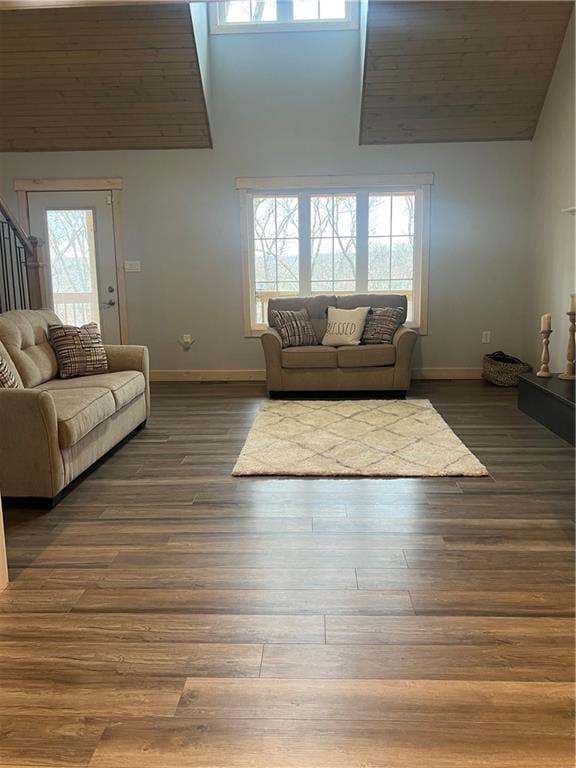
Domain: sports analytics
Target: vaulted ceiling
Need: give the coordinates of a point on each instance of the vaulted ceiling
(124, 74)
(108, 77)
(458, 71)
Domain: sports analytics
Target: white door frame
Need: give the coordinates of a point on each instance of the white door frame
(114, 186)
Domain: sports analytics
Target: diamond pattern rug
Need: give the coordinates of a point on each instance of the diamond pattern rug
(369, 438)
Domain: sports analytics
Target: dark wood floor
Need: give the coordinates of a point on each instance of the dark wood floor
(166, 614)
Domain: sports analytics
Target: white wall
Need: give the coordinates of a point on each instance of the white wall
(289, 104)
(552, 249)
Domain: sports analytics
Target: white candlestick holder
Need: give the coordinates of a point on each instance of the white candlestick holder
(544, 371)
(570, 372)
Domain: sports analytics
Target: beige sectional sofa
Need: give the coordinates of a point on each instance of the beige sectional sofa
(52, 429)
(367, 367)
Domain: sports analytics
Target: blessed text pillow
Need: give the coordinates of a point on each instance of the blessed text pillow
(345, 326)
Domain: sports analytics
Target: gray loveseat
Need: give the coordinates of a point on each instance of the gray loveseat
(367, 367)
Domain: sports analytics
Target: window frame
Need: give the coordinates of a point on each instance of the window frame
(285, 21)
(362, 186)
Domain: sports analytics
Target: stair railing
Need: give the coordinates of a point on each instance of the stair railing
(22, 279)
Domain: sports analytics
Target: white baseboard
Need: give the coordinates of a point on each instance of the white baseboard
(429, 374)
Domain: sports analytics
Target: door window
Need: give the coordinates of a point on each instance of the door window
(73, 265)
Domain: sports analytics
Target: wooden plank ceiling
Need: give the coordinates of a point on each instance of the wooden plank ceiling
(458, 71)
(95, 78)
(10, 5)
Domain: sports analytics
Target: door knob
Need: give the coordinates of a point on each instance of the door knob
(110, 303)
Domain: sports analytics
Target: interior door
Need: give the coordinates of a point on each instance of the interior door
(78, 232)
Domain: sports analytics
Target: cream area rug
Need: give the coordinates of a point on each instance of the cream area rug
(366, 438)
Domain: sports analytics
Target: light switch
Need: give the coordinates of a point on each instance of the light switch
(132, 266)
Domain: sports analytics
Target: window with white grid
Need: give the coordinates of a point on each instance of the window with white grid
(301, 241)
(282, 15)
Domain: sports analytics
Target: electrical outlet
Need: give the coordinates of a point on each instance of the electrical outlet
(486, 335)
(186, 341)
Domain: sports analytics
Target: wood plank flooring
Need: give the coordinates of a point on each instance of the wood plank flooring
(166, 614)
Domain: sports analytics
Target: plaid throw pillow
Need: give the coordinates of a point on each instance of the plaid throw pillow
(7, 378)
(80, 351)
(382, 324)
(294, 327)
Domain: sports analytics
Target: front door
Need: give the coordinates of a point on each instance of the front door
(78, 232)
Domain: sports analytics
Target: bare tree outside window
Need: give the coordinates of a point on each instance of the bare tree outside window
(333, 243)
(287, 15)
(276, 249)
(73, 265)
(248, 11)
(330, 243)
(391, 242)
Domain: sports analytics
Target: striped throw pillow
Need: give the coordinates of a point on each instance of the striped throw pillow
(7, 378)
(80, 351)
(381, 325)
(294, 327)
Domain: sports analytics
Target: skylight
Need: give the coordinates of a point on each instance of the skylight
(318, 10)
(247, 11)
(282, 15)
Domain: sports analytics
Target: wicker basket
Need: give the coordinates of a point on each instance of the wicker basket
(502, 369)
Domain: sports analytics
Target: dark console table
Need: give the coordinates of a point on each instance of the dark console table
(549, 401)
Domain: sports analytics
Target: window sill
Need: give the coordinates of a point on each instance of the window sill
(254, 333)
(274, 27)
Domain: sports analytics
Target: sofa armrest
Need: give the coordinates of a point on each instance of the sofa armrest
(404, 341)
(130, 357)
(272, 346)
(30, 459)
(127, 357)
(404, 336)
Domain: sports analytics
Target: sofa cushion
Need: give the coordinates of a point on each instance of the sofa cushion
(79, 350)
(7, 378)
(24, 334)
(9, 365)
(345, 326)
(80, 410)
(309, 357)
(381, 325)
(294, 327)
(125, 386)
(317, 307)
(372, 356)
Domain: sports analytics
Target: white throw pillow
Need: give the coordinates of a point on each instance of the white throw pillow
(345, 326)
